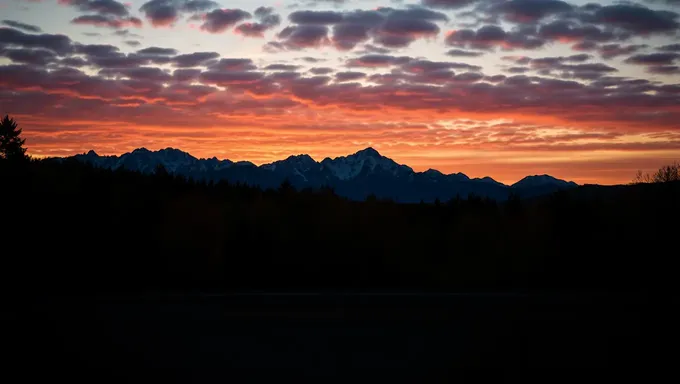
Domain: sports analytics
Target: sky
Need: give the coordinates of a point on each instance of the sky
(583, 91)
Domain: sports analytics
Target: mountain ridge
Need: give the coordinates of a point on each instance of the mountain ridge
(356, 176)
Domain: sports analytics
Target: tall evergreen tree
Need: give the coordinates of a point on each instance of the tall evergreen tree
(11, 143)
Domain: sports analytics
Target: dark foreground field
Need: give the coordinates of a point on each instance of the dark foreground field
(71, 228)
(122, 277)
(335, 338)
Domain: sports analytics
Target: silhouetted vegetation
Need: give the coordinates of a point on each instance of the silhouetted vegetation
(11, 143)
(69, 226)
(665, 174)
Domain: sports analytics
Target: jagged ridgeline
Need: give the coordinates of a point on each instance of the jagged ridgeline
(355, 176)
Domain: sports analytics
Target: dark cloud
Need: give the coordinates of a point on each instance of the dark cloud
(661, 58)
(568, 31)
(369, 61)
(551, 66)
(281, 67)
(463, 53)
(389, 27)
(219, 20)
(157, 51)
(193, 59)
(97, 50)
(23, 26)
(267, 19)
(229, 78)
(517, 70)
(133, 43)
(140, 73)
(447, 4)
(126, 33)
(316, 17)
(39, 57)
(108, 21)
(102, 7)
(609, 51)
(349, 76)
(73, 62)
(370, 48)
(637, 19)
(304, 36)
(166, 12)
(670, 48)
(664, 69)
(495, 78)
(321, 70)
(529, 11)
(232, 64)
(584, 46)
(103, 13)
(492, 36)
(311, 59)
(520, 60)
(186, 74)
(423, 66)
(347, 36)
(59, 44)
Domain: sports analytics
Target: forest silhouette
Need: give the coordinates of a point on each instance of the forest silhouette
(71, 227)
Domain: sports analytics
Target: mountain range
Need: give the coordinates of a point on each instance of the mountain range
(355, 176)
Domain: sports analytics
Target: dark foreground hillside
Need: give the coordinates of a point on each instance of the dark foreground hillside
(69, 227)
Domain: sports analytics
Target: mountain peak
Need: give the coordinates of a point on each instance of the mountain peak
(538, 180)
(369, 151)
(141, 150)
(91, 153)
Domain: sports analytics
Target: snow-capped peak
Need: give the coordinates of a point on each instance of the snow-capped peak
(366, 160)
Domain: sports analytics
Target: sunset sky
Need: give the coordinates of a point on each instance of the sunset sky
(582, 91)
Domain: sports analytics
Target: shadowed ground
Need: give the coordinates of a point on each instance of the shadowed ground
(331, 338)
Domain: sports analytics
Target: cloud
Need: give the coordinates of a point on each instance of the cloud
(491, 36)
(609, 51)
(304, 36)
(670, 48)
(163, 13)
(219, 20)
(107, 21)
(661, 58)
(567, 31)
(60, 44)
(233, 64)
(349, 76)
(315, 17)
(153, 74)
(267, 19)
(186, 74)
(463, 53)
(530, 11)
(195, 59)
(447, 4)
(102, 7)
(281, 67)
(637, 19)
(157, 51)
(37, 57)
(23, 26)
(321, 70)
(103, 13)
(388, 27)
(370, 61)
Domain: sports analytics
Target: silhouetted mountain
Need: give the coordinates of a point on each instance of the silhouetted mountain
(355, 176)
